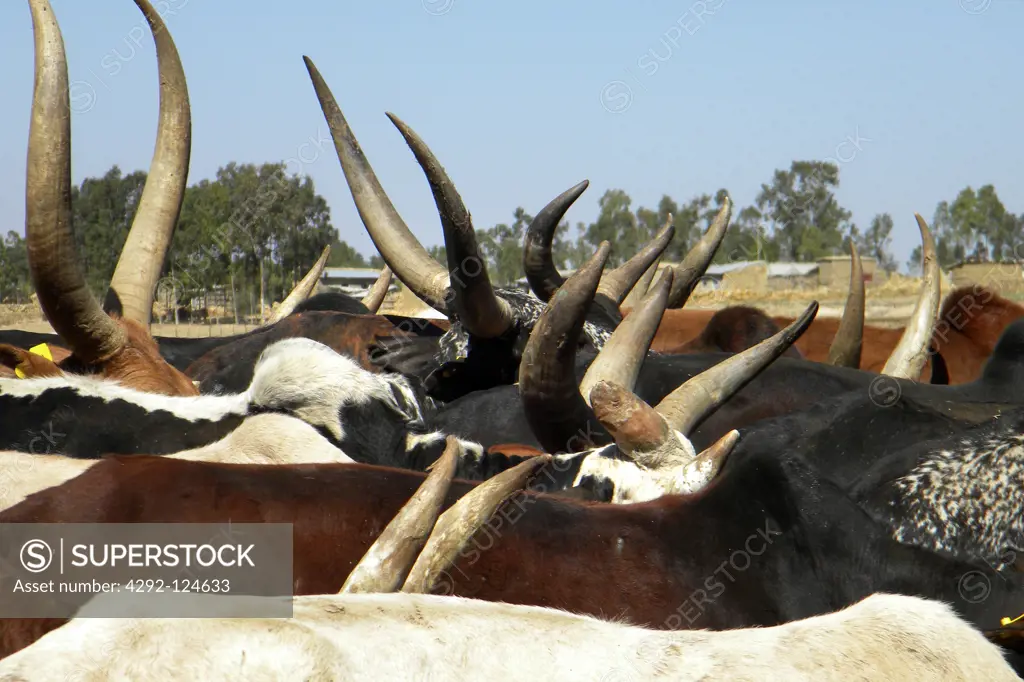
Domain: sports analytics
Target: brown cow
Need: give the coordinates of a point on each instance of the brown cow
(970, 323)
(112, 346)
(798, 545)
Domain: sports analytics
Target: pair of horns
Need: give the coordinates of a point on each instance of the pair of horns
(462, 291)
(65, 298)
(420, 543)
(616, 285)
(372, 300)
(558, 410)
(544, 278)
(911, 353)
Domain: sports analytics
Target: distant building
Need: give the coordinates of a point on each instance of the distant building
(759, 275)
(352, 281)
(834, 271)
(998, 276)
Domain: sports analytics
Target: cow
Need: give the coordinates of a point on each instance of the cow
(344, 637)
(370, 417)
(229, 367)
(888, 635)
(354, 330)
(770, 541)
(547, 408)
(969, 324)
(489, 327)
(663, 461)
(116, 345)
(260, 439)
(113, 340)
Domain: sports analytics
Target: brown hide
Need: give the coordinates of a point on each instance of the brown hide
(970, 323)
(138, 364)
(337, 511)
(345, 333)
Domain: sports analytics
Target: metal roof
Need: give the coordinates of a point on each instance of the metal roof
(791, 269)
(350, 273)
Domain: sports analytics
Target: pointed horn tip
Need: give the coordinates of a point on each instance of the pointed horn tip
(809, 314)
(452, 448)
(664, 282)
(721, 448)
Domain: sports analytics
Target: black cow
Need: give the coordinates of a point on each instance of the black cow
(489, 327)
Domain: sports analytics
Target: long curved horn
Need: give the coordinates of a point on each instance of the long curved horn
(400, 249)
(618, 283)
(538, 263)
(624, 352)
(911, 353)
(389, 559)
(302, 290)
(689, 404)
(145, 249)
(846, 347)
(377, 293)
(548, 390)
(696, 262)
(63, 294)
(472, 296)
(463, 519)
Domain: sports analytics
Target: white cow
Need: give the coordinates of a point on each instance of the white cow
(401, 636)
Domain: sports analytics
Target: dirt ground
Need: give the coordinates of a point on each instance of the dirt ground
(888, 305)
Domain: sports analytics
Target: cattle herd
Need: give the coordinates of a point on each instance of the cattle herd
(589, 482)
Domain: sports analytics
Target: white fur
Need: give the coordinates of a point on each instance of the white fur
(260, 439)
(311, 381)
(299, 377)
(191, 408)
(677, 471)
(375, 637)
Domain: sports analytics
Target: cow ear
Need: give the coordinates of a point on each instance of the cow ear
(25, 364)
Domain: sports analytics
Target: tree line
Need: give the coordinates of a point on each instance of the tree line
(254, 231)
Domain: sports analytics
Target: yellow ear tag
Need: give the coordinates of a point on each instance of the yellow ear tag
(1007, 621)
(42, 350)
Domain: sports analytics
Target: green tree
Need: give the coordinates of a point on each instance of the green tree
(253, 228)
(975, 226)
(875, 242)
(344, 256)
(102, 210)
(747, 239)
(616, 224)
(805, 220)
(15, 282)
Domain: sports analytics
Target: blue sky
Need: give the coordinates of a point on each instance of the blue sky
(522, 100)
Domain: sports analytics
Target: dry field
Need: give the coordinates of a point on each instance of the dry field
(888, 305)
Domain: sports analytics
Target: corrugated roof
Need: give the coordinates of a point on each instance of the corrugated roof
(722, 268)
(791, 269)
